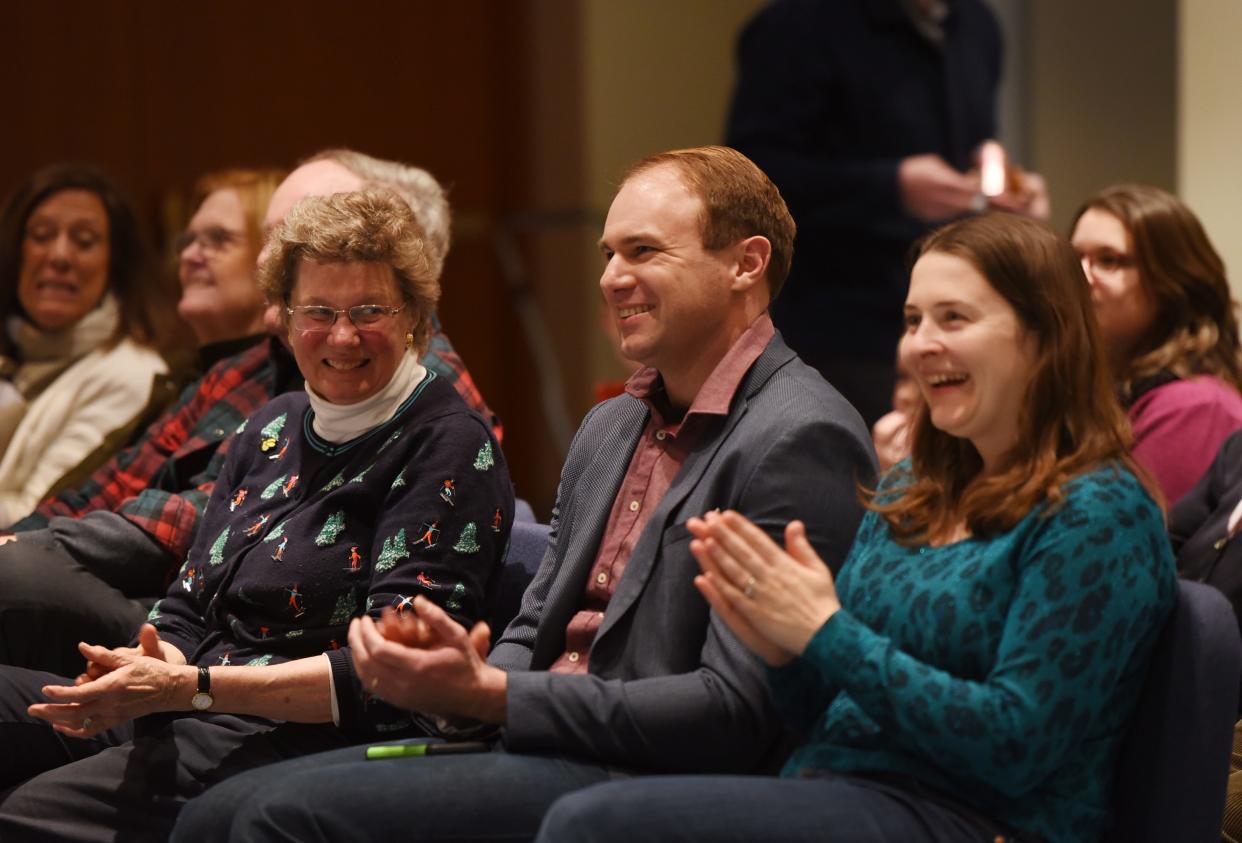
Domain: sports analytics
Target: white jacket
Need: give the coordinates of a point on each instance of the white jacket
(96, 395)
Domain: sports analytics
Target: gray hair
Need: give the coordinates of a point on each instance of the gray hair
(370, 226)
(426, 197)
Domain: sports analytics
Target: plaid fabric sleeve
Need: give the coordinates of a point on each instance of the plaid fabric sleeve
(129, 485)
(172, 517)
(444, 360)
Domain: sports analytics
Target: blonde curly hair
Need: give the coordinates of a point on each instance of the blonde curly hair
(368, 226)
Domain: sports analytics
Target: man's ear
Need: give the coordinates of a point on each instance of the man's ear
(753, 255)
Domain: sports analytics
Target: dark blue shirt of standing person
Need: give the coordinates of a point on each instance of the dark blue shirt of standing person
(830, 98)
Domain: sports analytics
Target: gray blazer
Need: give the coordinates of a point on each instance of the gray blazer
(669, 687)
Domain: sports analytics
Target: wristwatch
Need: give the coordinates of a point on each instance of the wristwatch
(202, 699)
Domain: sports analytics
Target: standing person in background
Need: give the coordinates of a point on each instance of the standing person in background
(868, 114)
(83, 330)
(1169, 324)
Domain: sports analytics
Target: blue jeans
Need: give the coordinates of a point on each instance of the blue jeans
(715, 809)
(341, 795)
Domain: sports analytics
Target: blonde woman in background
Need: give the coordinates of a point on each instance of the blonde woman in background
(220, 298)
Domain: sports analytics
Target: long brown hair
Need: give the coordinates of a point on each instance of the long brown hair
(1070, 421)
(1196, 327)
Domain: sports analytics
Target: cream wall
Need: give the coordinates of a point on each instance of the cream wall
(1101, 95)
(657, 75)
(1209, 123)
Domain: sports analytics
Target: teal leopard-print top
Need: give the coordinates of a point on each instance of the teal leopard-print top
(1000, 671)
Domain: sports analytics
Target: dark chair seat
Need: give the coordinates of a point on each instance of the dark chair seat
(527, 543)
(1174, 760)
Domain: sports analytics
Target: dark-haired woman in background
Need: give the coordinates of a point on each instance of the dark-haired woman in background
(1167, 321)
(969, 674)
(83, 320)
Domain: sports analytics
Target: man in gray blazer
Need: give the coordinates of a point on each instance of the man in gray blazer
(615, 665)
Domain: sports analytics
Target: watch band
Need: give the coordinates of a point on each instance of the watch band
(202, 699)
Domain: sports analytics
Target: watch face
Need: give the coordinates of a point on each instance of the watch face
(201, 701)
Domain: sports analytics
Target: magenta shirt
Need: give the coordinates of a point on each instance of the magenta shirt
(1178, 428)
(661, 451)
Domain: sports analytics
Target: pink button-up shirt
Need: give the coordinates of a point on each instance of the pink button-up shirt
(661, 451)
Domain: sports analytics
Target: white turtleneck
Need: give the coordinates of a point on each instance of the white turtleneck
(342, 422)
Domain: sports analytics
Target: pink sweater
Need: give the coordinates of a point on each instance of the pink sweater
(1178, 428)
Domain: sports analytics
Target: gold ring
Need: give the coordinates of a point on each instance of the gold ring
(749, 589)
(375, 684)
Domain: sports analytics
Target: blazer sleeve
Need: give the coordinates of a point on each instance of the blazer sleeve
(718, 717)
(515, 647)
(1198, 505)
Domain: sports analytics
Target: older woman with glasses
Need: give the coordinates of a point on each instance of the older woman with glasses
(1167, 321)
(375, 485)
(220, 296)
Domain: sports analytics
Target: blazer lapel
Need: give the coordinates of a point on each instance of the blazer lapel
(596, 488)
(643, 559)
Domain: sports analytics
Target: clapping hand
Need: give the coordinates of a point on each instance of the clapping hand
(119, 685)
(428, 663)
(773, 599)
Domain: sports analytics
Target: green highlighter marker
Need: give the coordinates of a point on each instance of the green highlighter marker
(417, 750)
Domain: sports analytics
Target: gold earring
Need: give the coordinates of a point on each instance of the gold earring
(409, 342)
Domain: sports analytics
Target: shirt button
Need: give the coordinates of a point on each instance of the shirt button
(634, 506)
(661, 435)
(573, 657)
(601, 578)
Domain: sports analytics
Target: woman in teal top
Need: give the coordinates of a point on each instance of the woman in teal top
(969, 675)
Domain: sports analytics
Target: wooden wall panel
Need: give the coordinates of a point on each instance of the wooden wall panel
(157, 93)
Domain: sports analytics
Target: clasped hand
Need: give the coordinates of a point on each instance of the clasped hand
(773, 599)
(119, 685)
(426, 661)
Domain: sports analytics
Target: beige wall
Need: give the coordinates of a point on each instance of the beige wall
(1102, 95)
(1209, 123)
(657, 75)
